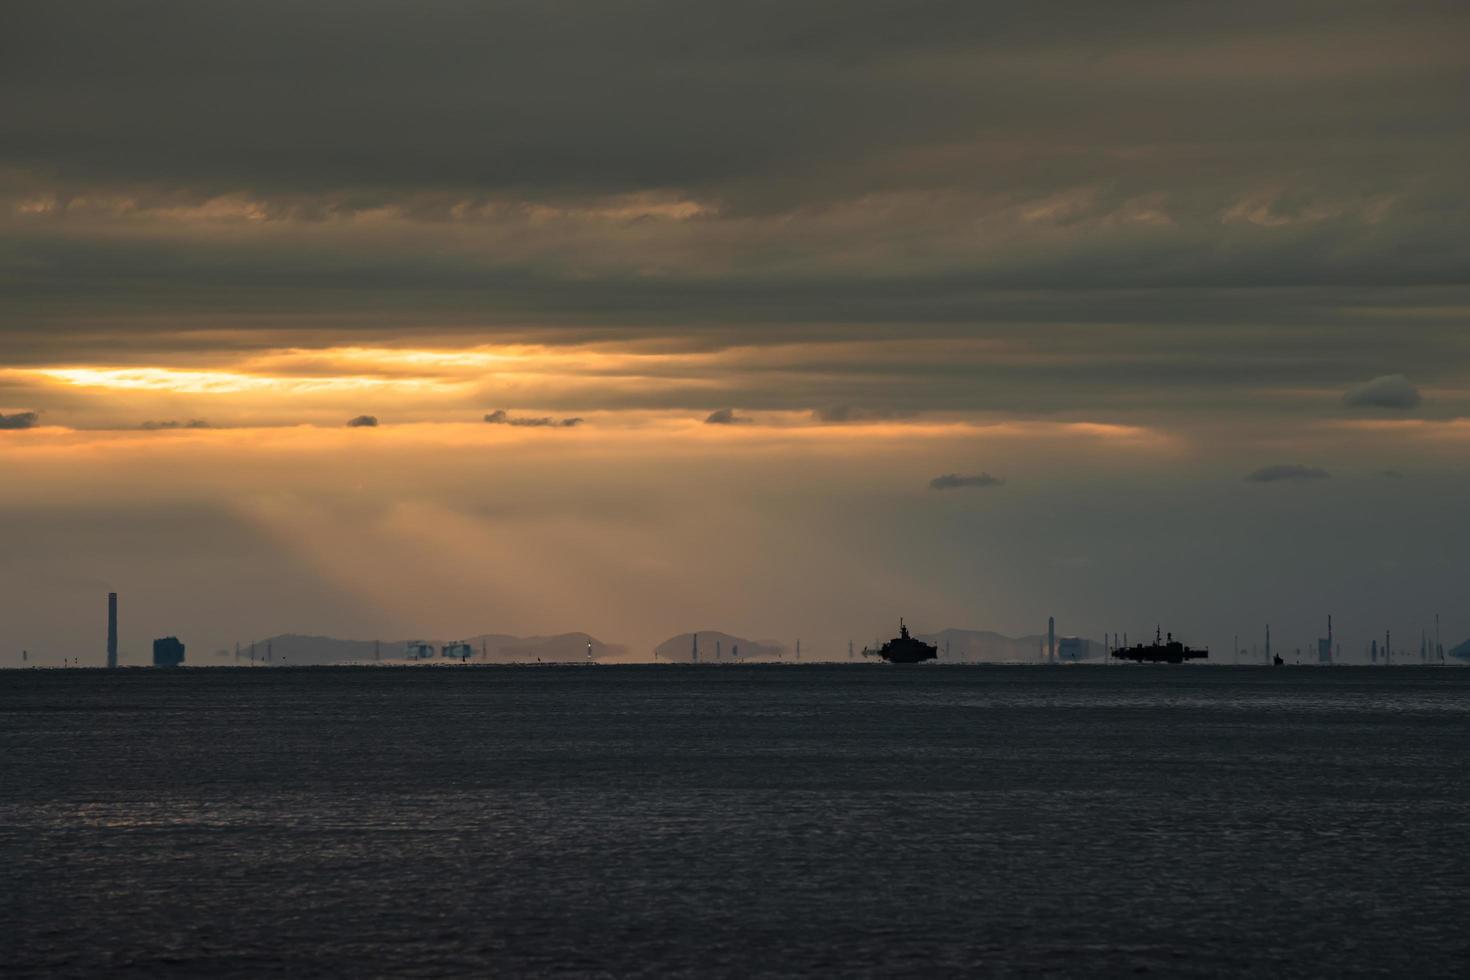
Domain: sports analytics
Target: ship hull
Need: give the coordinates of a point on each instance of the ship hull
(909, 658)
(1162, 658)
(905, 649)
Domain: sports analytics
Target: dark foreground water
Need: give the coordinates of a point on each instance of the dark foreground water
(665, 820)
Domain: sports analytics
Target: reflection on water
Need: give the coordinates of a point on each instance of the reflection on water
(734, 820)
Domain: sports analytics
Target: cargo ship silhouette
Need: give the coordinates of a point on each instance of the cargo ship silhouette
(1169, 651)
(904, 649)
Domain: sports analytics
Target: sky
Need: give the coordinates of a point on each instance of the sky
(381, 319)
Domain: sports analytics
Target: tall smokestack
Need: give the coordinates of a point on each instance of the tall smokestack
(111, 629)
(1051, 639)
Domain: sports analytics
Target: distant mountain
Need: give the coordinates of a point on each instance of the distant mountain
(291, 649)
(1461, 652)
(717, 647)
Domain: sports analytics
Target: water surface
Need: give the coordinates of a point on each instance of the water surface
(734, 820)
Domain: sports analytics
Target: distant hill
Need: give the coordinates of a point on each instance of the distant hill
(294, 649)
(1461, 652)
(715, 646)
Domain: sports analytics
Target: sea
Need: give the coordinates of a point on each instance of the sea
(735, 821)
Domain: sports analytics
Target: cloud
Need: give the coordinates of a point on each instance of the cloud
(151, 425)
(853, 219)
(953, 481)
(725, 416)
(764, 226)
(1286, 471)
(855, 413)
(499, 417)
(363, 421)
(1387, 391)
(20, 420)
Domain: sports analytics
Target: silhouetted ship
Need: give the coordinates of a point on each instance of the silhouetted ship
(904, 649)
(1169, 651)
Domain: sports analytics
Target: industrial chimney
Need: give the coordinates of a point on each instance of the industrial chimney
(111, 629)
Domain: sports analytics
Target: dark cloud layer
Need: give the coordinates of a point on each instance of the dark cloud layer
(725, 416)
(1285, 472)
(20, 420)
(500, 417)
(363, 422)
(655, 166)
(761, 104)
(954, 481)
(156, 425)
(1388, 391)
(1148, 204)
(837, 414)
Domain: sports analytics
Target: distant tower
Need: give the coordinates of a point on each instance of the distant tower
(1051, 639)
(1373, 653)
(1388, 646)
(112, 629)
(1268, 643)
(849, 649)
(798, 649)
(694, 654)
